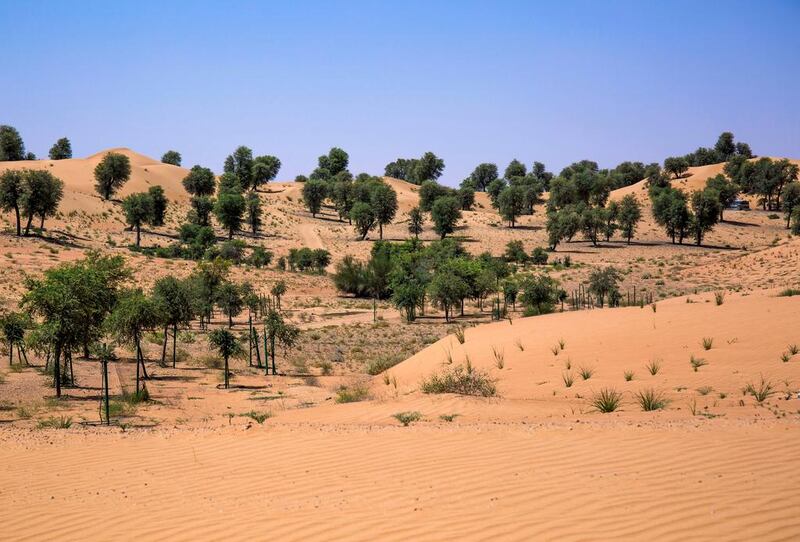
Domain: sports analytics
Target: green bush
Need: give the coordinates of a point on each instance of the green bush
(461, 380)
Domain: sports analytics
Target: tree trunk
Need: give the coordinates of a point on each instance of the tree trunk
(164, 346)
(174, 344)
(272, 353)
(41, 223)
(28, 225)
(226, 371)
(57, 369)
(380, 230)
(138, 235)
(19, 230)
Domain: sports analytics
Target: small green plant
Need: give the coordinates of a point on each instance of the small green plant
(568, 379)
(258, 417)
(708, 342)
(352, 394)
(586, 372)
(785, 357)
(722, 395)
(697, 362)
(607, 400)
(651, 399)
(141, 396)
(61, 422)
(407, 418)
(499, 357)
(325, 367)
(653, 306)
(793, 349)
(555, 350)
(719, 298)
(460, 334)
(568, 364)
(653, 366)
(693, 407)
(628, 376)
(762, 392)
(705, 390)
(562, 344)
(448, 417)
(386, 362)
(519, 344)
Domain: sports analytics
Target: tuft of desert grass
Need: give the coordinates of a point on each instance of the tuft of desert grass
(448, 417)
(568, 379)
(606, 400)
(352, 394)
(719, 298)
(586, 372)
(499, 357)
(519, 344)
(460, 334)
(696, 363)
(762, 391)
(708, 342)
(628, 376)
(258, 417)
(785, 357)
(61, 422)
(650, 399)
(462, 380)
(793, 349)
(653, 366)
(555, 350)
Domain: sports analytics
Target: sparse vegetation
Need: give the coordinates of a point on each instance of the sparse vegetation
(407, 418)
(707, 342)
(762, 391)
(586, 372)
(462, 380)
(653, 366)
(352, 394)
(696, 362)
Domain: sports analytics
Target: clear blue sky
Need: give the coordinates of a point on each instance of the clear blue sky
(472, 81)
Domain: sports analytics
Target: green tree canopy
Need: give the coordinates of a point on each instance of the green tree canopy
(111, 173)
(61, 149)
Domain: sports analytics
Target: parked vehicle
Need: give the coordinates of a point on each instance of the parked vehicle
(740, 205)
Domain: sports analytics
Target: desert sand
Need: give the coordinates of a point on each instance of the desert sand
(536, 462)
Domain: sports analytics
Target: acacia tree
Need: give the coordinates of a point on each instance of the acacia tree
(676, 166)
(138, 209)
(111, 173)
(383, 200)
(362, 218)
(13, 326)
(228, 346)
(200, 183)
(171, 157)
(705, 206)
(254, 212)
(134, 314)
(726, 189)
(12, 191)
(630, 213)
(229, 299)
(240, 164)
(278, 291)
(174, 298)
(511, 203)
(230, 204)
(604, 283)
(43, 193)
(12, 147)
(671, 211)
(791, 199)
(445, 213)
(415, 222)
(159, 204)
(314, 192)
(264, 169)
(278, 332)
(61, 150)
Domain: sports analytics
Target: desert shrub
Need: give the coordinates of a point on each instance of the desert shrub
(306, 259)
(352, 394)
(539, 256)
(382, 363)
(708, 342)
(586, 372)
(460, 380)
(651, 399)
(653, 366)
(259, 257)
(789, 292)
(515, 252)
(628, 376)
(259, 417)
(568, 379)
(448, 417)
(210, 361)
(607, 400)
(61, 422)
(719, 298)
(230, 250)
(325, 367)
(407, 418)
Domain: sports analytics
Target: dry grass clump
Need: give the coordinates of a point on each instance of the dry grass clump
(628, 376)
(653, 366)
(607, 400)
(697, 362)
(569, 380)
(407, 418)
(61, 422)
(448, 417)
(352, 394)
(382, 363)
(651, 399)
(460, 334)
(499, 357)
(708, 342)
(719, 298)
(762, 392)
(258, 417)
(462, 380)
(586, 372)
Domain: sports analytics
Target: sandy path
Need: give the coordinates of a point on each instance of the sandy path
(424, 482)
(310, 236)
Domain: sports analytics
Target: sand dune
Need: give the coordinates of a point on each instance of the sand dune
(78, 177)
